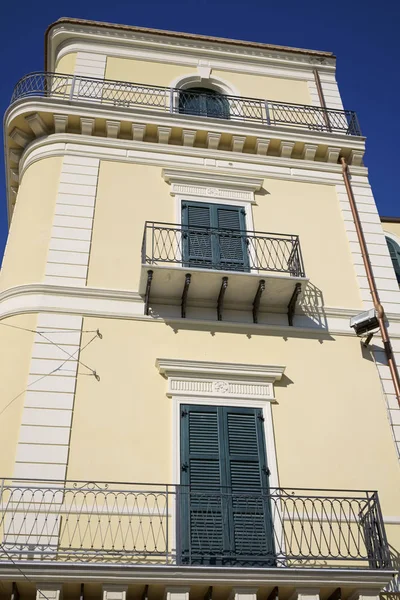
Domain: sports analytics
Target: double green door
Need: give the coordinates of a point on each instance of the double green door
(224, 505)
(214, 236)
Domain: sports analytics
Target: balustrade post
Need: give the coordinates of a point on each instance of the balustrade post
(267, 115)
(171, 100)
(71, 94)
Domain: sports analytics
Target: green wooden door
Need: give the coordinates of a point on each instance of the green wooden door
(225, 515)
(214, 236)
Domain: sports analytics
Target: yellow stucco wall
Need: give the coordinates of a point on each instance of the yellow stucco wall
(127, 196)
(163, 74)
(393, 228)
(15, 355)
(330, 420)
(66, 64)
(130, 194)
(312, 211)
(30, 231)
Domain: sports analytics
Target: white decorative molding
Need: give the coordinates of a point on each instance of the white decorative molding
(262, 145)
(92, 64)
(204, 72)
(42, 449)
(114, 592)
(20, 137)
(67, 262)
(60, 123)
(37, 124)
(172, 366)
(310, 151)
(113, 128)
(226, 187)
(213, 379)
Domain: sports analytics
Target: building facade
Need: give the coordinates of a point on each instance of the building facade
(186, 411)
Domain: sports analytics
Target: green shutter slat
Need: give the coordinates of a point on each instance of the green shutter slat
(231, 238)
(242, 434)
(203, 433)
(197, 241)
(229, 218)
(198, 215)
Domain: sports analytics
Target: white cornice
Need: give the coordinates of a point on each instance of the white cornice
(91, 109)
(170, 367)
(129, 305)
(64, 33)
(183, 157)
(244, 183)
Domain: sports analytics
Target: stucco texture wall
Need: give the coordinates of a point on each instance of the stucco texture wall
(253, 86)
(312, 211)
(30, 232)
(330, 420)
(66, 64)
(15, 356)
(127, 196)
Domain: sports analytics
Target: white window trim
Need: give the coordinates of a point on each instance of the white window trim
(392, 236)
(213, 189)
(222, 384)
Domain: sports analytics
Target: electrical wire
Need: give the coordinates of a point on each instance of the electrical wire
(70, 357)
(98, 334)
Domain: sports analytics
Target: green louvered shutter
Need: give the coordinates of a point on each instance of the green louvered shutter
(201, 504)
(225, 511)
(197, 239)
(394, 250)
(232, 248)
(247, 476)
(214, 236)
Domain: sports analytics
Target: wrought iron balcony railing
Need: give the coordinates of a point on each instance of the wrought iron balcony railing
(165, 524)
(221, 249)
(171, 100)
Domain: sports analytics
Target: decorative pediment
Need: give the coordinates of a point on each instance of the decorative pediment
(219, 380)
(225, 187)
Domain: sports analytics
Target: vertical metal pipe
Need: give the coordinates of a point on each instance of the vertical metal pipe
(371, 282)
(322, 99)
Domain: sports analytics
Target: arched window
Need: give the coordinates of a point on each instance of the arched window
(203, 102)
(394, 250)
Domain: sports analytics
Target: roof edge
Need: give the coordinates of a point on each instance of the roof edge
(177, 34)
(390, 219)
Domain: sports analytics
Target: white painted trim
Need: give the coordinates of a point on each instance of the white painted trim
(276, 63)
(391, 235)
(171, 367)
(211, 82)
(184, 157)
(125, 304)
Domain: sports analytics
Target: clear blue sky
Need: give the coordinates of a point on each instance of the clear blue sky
(364, 35)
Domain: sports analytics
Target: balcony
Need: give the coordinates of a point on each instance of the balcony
(142, 97)
(138, 524)
(204, 266)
